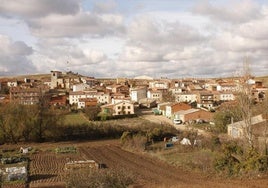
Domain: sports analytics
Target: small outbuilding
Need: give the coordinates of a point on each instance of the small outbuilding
(194, 114)
(237, 129)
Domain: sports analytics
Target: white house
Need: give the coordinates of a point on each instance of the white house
(227, 96)
(12, 83)
(237, 129)
(74, 96)
(161, 107)
(121, 108)
(102, 98)
(80, 87)
(227, 87)
(186, 97)
(176, 90)
(154, 94)
(159, 84)
(138, 93)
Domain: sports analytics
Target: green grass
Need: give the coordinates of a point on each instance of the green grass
(67, 149)
(75, 119)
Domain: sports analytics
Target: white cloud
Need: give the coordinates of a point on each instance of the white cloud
(65, 55)
(255, 29)
(105, 6)
(134, 53)
(151, 40)
(14, 57)
(188, 53)
(94, 56)
(146, 29)
(81, 24)
(232, 11)
(231, 42)
(104, 39)
(55, 18)
(38, 8)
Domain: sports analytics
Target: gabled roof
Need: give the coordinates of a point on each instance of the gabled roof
(125, 101)
(162, 106)
(183, 112)
(254, 120)
(107, 106)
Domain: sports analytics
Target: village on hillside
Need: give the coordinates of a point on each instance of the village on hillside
(181, 100)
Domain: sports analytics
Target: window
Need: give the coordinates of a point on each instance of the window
(119, 107)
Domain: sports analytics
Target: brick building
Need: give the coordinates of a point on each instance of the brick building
(27, 96)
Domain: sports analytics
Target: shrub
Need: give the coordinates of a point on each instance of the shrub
(126, 136)
(134, 142)
(229, 162)
(236, 161)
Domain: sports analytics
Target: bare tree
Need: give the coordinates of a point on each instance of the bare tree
(262, 108)
(245, 102)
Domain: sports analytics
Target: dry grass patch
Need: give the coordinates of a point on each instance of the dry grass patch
(187, 158)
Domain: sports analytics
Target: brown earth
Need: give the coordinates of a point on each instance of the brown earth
(47, 167)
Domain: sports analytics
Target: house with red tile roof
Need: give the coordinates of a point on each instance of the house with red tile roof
(172, 108)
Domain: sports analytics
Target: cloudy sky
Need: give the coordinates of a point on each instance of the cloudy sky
(128, 38)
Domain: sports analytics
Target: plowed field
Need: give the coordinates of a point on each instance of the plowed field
(47, 167)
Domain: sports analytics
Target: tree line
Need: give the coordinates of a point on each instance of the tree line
(20, 122)
(39, 123)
